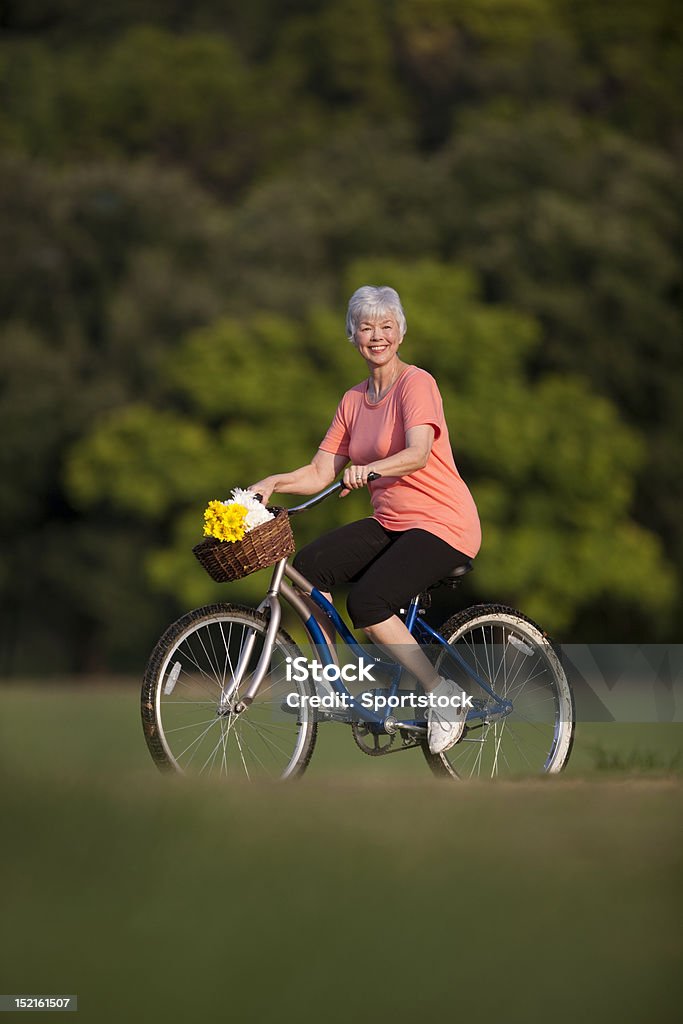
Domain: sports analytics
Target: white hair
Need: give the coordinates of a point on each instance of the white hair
(372, 303)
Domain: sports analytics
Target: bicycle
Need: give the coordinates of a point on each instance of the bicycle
(219, 695)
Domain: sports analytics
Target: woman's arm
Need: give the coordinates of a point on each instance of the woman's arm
(419, 441)
(318, 474)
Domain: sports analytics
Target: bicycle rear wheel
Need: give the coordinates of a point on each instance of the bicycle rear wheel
(519, 663)
(186, 728)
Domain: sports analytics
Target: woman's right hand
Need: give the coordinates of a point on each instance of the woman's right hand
(263, 487)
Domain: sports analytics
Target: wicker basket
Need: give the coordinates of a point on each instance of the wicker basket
(227, 561)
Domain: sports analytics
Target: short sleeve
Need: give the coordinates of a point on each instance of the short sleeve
(421, 403)
(337, 438)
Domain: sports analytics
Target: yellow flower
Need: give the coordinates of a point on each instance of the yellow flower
(224, 522)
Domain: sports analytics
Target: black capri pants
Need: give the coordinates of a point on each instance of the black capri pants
(386, 568)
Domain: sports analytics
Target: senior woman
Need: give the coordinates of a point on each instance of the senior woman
(424, 521)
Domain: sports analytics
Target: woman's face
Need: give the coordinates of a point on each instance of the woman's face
(378, 340)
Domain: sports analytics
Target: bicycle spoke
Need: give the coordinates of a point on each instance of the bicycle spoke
(192, 725)
(264, 737)
(194, 743)
(246, 770)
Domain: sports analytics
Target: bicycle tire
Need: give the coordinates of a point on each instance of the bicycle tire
(537, 737)
(186, 730)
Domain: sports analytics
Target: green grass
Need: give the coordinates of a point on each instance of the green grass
(170, 901)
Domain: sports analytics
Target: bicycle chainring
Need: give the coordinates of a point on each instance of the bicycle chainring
(373, 743)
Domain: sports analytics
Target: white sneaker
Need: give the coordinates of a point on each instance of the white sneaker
(445, 725)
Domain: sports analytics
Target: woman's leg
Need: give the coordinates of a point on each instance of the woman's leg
(445, 722)
(336, 558)
(394, 635)
(342, 555)
(414, 560)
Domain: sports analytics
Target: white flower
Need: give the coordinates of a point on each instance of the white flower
(256, 512)
(255, 517)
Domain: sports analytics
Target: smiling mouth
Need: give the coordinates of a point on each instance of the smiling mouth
(378, 348)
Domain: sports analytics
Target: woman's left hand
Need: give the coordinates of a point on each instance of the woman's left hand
(354, 478)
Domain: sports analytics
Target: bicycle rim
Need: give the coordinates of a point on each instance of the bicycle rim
(186, 727)
(519, 663)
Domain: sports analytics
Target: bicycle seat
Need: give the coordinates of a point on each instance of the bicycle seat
(452, 578)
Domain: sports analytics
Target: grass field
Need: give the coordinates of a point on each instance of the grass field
(366, 890)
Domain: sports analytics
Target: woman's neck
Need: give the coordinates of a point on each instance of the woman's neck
(382, 378)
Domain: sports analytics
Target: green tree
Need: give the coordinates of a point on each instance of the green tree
(187, 101)
(97, 282)
(581, 228)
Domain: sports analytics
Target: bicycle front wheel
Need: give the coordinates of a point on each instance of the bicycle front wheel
(518, 662)
(187, 727)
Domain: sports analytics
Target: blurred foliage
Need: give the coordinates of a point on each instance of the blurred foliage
(187, 194)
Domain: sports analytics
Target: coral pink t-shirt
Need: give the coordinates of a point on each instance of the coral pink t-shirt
(434, 498)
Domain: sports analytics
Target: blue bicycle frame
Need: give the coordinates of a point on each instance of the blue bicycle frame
(422, 632)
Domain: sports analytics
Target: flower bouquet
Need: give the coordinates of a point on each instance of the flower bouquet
(242, 536)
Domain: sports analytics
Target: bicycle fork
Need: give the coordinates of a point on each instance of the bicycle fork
(271, 604)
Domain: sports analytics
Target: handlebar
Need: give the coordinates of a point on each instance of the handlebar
(317, 498)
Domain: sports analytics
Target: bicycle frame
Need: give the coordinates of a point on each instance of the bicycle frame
(418, 628)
